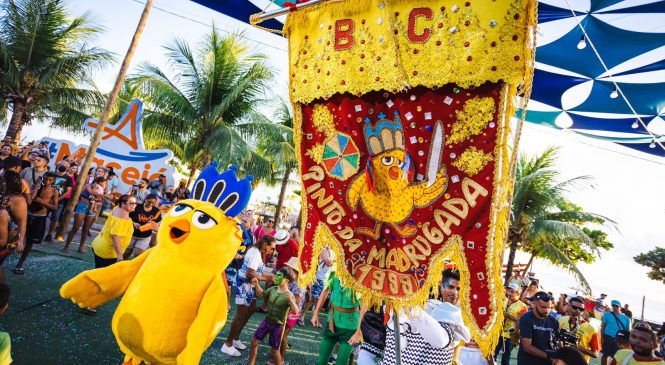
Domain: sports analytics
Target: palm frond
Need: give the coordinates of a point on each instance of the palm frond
(551, 253)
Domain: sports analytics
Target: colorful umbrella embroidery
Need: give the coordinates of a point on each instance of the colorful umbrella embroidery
(341, 157)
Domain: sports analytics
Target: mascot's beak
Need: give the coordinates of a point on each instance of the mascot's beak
(179, 230)
(393, 172)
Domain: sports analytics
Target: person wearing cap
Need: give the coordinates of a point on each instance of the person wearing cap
(34, 174)
(588, 338)
(612, 322)
(515, 309)
(537, 329)
(643, 345)
(600, 306)
(287, 248)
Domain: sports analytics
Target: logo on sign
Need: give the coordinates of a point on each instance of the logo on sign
(122, 148)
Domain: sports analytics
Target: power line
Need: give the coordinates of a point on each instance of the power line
(654, 139)
(558, 133)
(207, 25)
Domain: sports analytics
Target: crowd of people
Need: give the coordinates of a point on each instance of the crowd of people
(263, 278)
(34, 198)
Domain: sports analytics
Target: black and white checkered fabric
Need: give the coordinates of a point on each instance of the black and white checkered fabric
(417, 350)
(372, 349)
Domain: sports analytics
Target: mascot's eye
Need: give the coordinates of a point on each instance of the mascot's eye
(387, 160)
(180, 209)
(203, 221)
(400, 163)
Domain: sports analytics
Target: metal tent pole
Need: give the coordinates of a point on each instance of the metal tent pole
(398, 349)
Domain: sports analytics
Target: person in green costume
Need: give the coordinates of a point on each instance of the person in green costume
(279, 300)
(343, 320)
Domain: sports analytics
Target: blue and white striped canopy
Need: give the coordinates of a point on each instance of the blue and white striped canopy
(572, 89)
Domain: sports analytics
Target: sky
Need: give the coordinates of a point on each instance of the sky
(628, 185)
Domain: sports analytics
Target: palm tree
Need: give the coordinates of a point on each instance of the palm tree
(278, 147)
(46, 63)
(542, 219)
(202, 112)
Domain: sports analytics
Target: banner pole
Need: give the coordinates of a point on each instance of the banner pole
(258, 18)
(398, 348)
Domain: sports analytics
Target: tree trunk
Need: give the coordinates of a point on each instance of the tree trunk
(282, 193)
(528, 266)
(205, 161)
(110, 103)
(16, 124)
(511, 256)
(192, 171)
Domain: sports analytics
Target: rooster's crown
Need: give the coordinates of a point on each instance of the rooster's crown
(387, 135)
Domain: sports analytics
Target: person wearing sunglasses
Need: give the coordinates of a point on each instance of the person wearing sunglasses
(612, 322)
(588, 338)
(116, 234)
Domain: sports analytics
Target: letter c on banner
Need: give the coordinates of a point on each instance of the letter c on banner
(413, 17)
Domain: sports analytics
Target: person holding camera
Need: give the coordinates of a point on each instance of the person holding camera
(588, 339)
(537, 332)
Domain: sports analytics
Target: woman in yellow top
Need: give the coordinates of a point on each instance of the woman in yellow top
(114, 238)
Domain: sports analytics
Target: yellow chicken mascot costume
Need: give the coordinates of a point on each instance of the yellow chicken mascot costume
(174, 296)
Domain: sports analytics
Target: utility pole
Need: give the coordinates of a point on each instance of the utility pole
(110, 103)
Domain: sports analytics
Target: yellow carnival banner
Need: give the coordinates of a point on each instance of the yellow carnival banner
(402, 115)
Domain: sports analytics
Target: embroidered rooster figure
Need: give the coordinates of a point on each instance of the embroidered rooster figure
(384, 188)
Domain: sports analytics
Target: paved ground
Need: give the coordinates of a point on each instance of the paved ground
(47, 329)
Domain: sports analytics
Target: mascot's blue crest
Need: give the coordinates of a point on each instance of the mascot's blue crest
(223, 190)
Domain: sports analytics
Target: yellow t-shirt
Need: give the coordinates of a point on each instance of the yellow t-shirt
(587, 334)
(103, 244)
(5, 349)
(516, 309)
(621, 355)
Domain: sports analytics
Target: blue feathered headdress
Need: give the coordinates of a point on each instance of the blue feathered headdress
(223, 190)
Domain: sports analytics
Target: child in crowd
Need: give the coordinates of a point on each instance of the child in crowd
(279, 300)
(299, 294)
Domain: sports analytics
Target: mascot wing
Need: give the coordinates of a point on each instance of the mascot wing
(92, 288)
